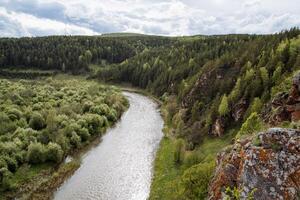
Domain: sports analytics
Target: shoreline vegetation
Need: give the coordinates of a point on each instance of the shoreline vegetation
(35, 177)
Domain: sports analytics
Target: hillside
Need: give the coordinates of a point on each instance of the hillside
(216, 90)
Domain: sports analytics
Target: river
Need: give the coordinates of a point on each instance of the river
(121, 166)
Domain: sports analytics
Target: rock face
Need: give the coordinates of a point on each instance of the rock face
(218, 127)
(268, 164)
(239, 110)
(287, 106)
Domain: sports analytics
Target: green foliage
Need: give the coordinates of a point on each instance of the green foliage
(14, 114)
(284, 86)
(6, 125)
(236, 92)
(223, 107)
(198, 106)
(235, 194)
(179, 151)
(65, 53)
(265, 76)
(251, 125)
(54, 152)
(75, 140)
(102, 109)
(43, 121)
(37, 121)
(195, 181)
(12, 164)
(277, 73)
(256, 107)
(84, 134)
(36, 153)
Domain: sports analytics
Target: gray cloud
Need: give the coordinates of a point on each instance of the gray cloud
(43, 9)
(162, 17)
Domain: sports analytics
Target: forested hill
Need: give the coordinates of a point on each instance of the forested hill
(72, 53)
(213, 83)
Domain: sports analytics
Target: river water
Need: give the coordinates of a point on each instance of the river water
(120, 167)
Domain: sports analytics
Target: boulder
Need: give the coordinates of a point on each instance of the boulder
(267, 165)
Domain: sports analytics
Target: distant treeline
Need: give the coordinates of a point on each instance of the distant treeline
(71, 53)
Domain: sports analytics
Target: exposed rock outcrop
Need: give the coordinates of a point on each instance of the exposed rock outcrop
(239, 110)
(218, 127)
(268, 163)
(287, 106)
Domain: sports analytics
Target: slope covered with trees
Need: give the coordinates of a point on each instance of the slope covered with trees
(71, 53)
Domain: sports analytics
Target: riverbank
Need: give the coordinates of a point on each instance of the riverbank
(172, 179)
(47, 178)
(41, 181)
(129, 88)
(121, 166)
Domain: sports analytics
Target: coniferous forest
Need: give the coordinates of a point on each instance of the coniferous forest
(215, 91)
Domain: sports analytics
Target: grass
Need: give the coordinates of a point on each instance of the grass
(27, 172)
(166, 173)
(38, 181)
(26, 177)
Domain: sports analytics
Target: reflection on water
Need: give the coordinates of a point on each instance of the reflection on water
(120, 167)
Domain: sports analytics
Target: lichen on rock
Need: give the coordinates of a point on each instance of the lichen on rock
(268, 163)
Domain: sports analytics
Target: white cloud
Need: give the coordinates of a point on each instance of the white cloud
(163, 17)
(21, 24)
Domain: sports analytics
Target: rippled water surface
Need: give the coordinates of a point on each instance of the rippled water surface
(120, 167)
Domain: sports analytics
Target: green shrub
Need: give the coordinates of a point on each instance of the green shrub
(20, 156)
(192, 158)
(3, 163)
(94, 123)
(102, 109)
(223, 107)
(8, 148)
(251, 125)
(195, 180)
(6, 125)
(235, 194)
(112, 115)
(54, 152)
(4, 179)
(84, 134)
(36, 153)
(75, 140)
(63, 142)
(87, 106)
(36, 121)
(22, 123)
(179, 151)
(16, 99)
(14, 114)
(12, 164)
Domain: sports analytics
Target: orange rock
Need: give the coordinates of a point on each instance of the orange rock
(296, 116)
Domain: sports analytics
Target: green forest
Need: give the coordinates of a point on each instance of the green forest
(215, 90)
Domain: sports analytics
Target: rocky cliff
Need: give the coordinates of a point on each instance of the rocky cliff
(286, 106)
(267, 164)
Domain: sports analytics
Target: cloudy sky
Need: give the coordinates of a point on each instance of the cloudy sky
(162, 17)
